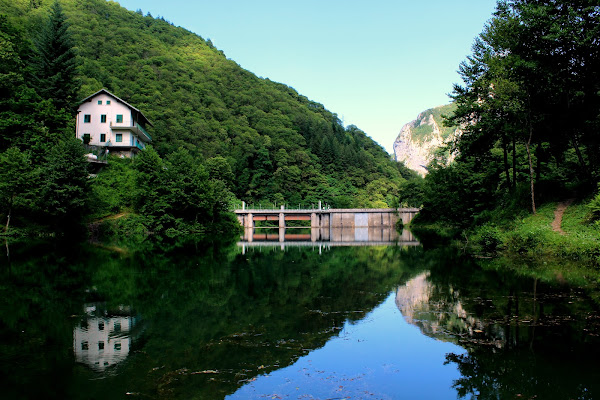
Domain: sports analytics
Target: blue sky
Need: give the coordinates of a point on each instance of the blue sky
(375, 63)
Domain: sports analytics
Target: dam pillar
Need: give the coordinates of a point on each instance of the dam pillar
(281, 218)
(281, 234)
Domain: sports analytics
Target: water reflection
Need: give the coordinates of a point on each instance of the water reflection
(103, 338)
(442, 318)
(325, 237)
(216, 321)
(524, 338)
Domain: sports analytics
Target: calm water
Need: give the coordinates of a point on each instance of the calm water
(287, 320)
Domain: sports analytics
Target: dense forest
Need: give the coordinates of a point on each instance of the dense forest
(529, 109)
(245, 137)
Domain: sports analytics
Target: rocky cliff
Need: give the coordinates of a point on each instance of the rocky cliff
(419, 139)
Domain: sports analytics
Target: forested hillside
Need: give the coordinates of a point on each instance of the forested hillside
(261, 139)
(280, 145)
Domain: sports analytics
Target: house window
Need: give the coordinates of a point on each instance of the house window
(119, 118)
(108, 102)
(103, 137)
(100, 326)
(103, 118)
(87, 138)
(118, 346)
(85, 345)
(119, 137)
(100, 102)
(100, 345)
(87, 118)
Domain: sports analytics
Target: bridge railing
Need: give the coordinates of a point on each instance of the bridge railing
(275, 206)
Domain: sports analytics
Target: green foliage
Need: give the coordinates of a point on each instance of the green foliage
(220, 133)
(55, 63)
(532, 238)
(529, 117)
(279, 145)
(489, 237)
(594, 207)
(438, 114)
(65, 183)
(412, 193)
(420, 132)
(113, 190)
(16, 177)
(176, 195)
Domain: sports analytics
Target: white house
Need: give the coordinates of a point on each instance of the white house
(105, 120)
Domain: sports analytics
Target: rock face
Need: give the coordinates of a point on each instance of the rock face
(419, 139)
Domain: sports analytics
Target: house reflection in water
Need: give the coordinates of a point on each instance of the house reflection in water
(103, 338)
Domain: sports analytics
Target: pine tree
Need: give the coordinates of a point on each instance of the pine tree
(55, 62)
(17, 100)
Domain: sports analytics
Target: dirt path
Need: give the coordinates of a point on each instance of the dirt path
(558, 215)
(111, 217)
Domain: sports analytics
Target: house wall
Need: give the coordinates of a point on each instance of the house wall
(95, 127)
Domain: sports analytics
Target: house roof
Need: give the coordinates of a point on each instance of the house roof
(135, 110)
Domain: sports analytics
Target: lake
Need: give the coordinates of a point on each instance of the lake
(281, 316)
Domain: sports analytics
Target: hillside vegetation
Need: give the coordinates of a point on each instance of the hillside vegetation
(421, 132)
(529, 111)
(264, 141)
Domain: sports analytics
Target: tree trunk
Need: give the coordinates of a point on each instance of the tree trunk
(506, 172)
(579, 155)
(9, 214)
(528, 146)
(538, 158)
(514, 162)
(8, 220)
(531, 171)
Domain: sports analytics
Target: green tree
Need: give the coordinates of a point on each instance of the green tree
(55, 68)
(16, 181)
(65, 187)
(528, 104)
(17, 101)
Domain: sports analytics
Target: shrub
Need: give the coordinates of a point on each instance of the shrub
(594, 207)
(490, 239)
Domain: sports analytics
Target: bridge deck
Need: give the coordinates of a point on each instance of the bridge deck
(326, 211)
(331, 217)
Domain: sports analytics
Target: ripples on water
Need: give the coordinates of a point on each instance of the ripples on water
(298, 320)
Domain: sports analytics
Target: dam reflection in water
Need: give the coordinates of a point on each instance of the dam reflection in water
(326, 237)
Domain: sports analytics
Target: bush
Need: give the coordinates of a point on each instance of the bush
(527, 239)
(490, 239)
(594, 207)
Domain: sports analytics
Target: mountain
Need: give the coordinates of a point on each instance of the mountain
(280, 146)
(418, 140)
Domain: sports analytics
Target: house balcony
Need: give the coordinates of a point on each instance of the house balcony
(135, 128)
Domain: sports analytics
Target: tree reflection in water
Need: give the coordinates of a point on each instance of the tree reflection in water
(524, 338)
(214, 318)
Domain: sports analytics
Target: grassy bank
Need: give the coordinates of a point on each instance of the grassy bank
(528, 243)
(532, 236)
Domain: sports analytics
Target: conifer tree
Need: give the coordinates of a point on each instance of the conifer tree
(17, 100)
(55, 62)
